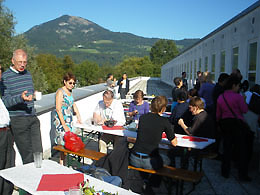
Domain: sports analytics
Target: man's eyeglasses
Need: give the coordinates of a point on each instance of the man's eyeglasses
(21, 62)
(72, 83)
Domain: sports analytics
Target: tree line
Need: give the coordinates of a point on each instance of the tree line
(47, 70)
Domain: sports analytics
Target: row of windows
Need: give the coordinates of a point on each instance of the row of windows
(192, 67)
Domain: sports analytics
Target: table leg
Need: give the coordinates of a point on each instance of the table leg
(185, 158)
(62, 159)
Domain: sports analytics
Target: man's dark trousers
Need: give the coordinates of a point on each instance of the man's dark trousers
(7, 159)
(27, 136)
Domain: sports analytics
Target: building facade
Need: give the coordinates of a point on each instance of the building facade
(235, 44)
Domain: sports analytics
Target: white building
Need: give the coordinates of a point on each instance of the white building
(235, 44)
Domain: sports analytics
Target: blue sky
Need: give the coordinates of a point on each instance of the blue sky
(169, 19)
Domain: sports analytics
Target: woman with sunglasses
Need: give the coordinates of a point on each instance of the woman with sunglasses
(65, 106)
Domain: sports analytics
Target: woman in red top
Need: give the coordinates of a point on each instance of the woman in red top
(230, 109)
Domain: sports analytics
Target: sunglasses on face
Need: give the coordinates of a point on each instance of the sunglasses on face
(72, 83)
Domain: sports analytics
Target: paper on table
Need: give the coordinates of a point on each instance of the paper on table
(113, 128)
(59, 182)
(195, 139)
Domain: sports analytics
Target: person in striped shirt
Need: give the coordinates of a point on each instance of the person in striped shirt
(17, 95)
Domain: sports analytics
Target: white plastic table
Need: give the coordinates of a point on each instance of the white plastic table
(27, 177)
(180, 140)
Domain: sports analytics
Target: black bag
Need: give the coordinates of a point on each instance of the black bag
(254, 104)
(245, 129)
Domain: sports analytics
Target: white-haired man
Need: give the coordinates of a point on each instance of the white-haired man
(107, 109)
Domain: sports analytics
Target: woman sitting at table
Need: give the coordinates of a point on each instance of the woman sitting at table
(138, 107)
(145, 153)
(202, 124)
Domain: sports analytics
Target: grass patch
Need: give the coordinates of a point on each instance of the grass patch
(84, 50)
(112, 52)
(145, 47)
(103, 42)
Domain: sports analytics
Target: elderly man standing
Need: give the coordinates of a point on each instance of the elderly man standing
(107, 109)
(17, 95)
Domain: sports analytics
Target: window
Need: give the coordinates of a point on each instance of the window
(213, 65)
(187, 71)
(200, 64)
(252, 62)
(195, 69)
(206, 63)
(235, 58)
(222, 61)
(190, 69)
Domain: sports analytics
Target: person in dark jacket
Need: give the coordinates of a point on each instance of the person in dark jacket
(145, 153)
(184, 80)
(178, 111)
(202, 125)
(123, 84)
(176, 90)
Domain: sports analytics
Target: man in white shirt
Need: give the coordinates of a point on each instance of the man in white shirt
(7, 153)
(109, 109)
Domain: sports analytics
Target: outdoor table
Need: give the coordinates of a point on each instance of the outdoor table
(27, 177)
(187, 143)
(182, 140)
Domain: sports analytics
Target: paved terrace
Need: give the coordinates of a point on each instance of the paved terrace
(212, 182)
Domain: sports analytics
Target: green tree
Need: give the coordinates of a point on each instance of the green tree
(135, 66)
(68, 64)
(6, 34)
(51, 67)
(87, 73)
(104, 71)
(9, 43)
(162, 52)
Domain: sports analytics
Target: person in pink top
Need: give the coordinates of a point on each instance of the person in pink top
(230, 109)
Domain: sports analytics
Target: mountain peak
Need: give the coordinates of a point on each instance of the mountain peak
(73, 20)
(83, 39)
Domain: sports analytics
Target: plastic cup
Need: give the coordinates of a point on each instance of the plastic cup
(38, 95)
(37, 156)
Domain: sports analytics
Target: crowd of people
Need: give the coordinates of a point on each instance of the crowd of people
(224, 111)
(220, 111)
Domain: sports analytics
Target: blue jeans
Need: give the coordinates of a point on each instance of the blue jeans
(114, 180)
(150, 162)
